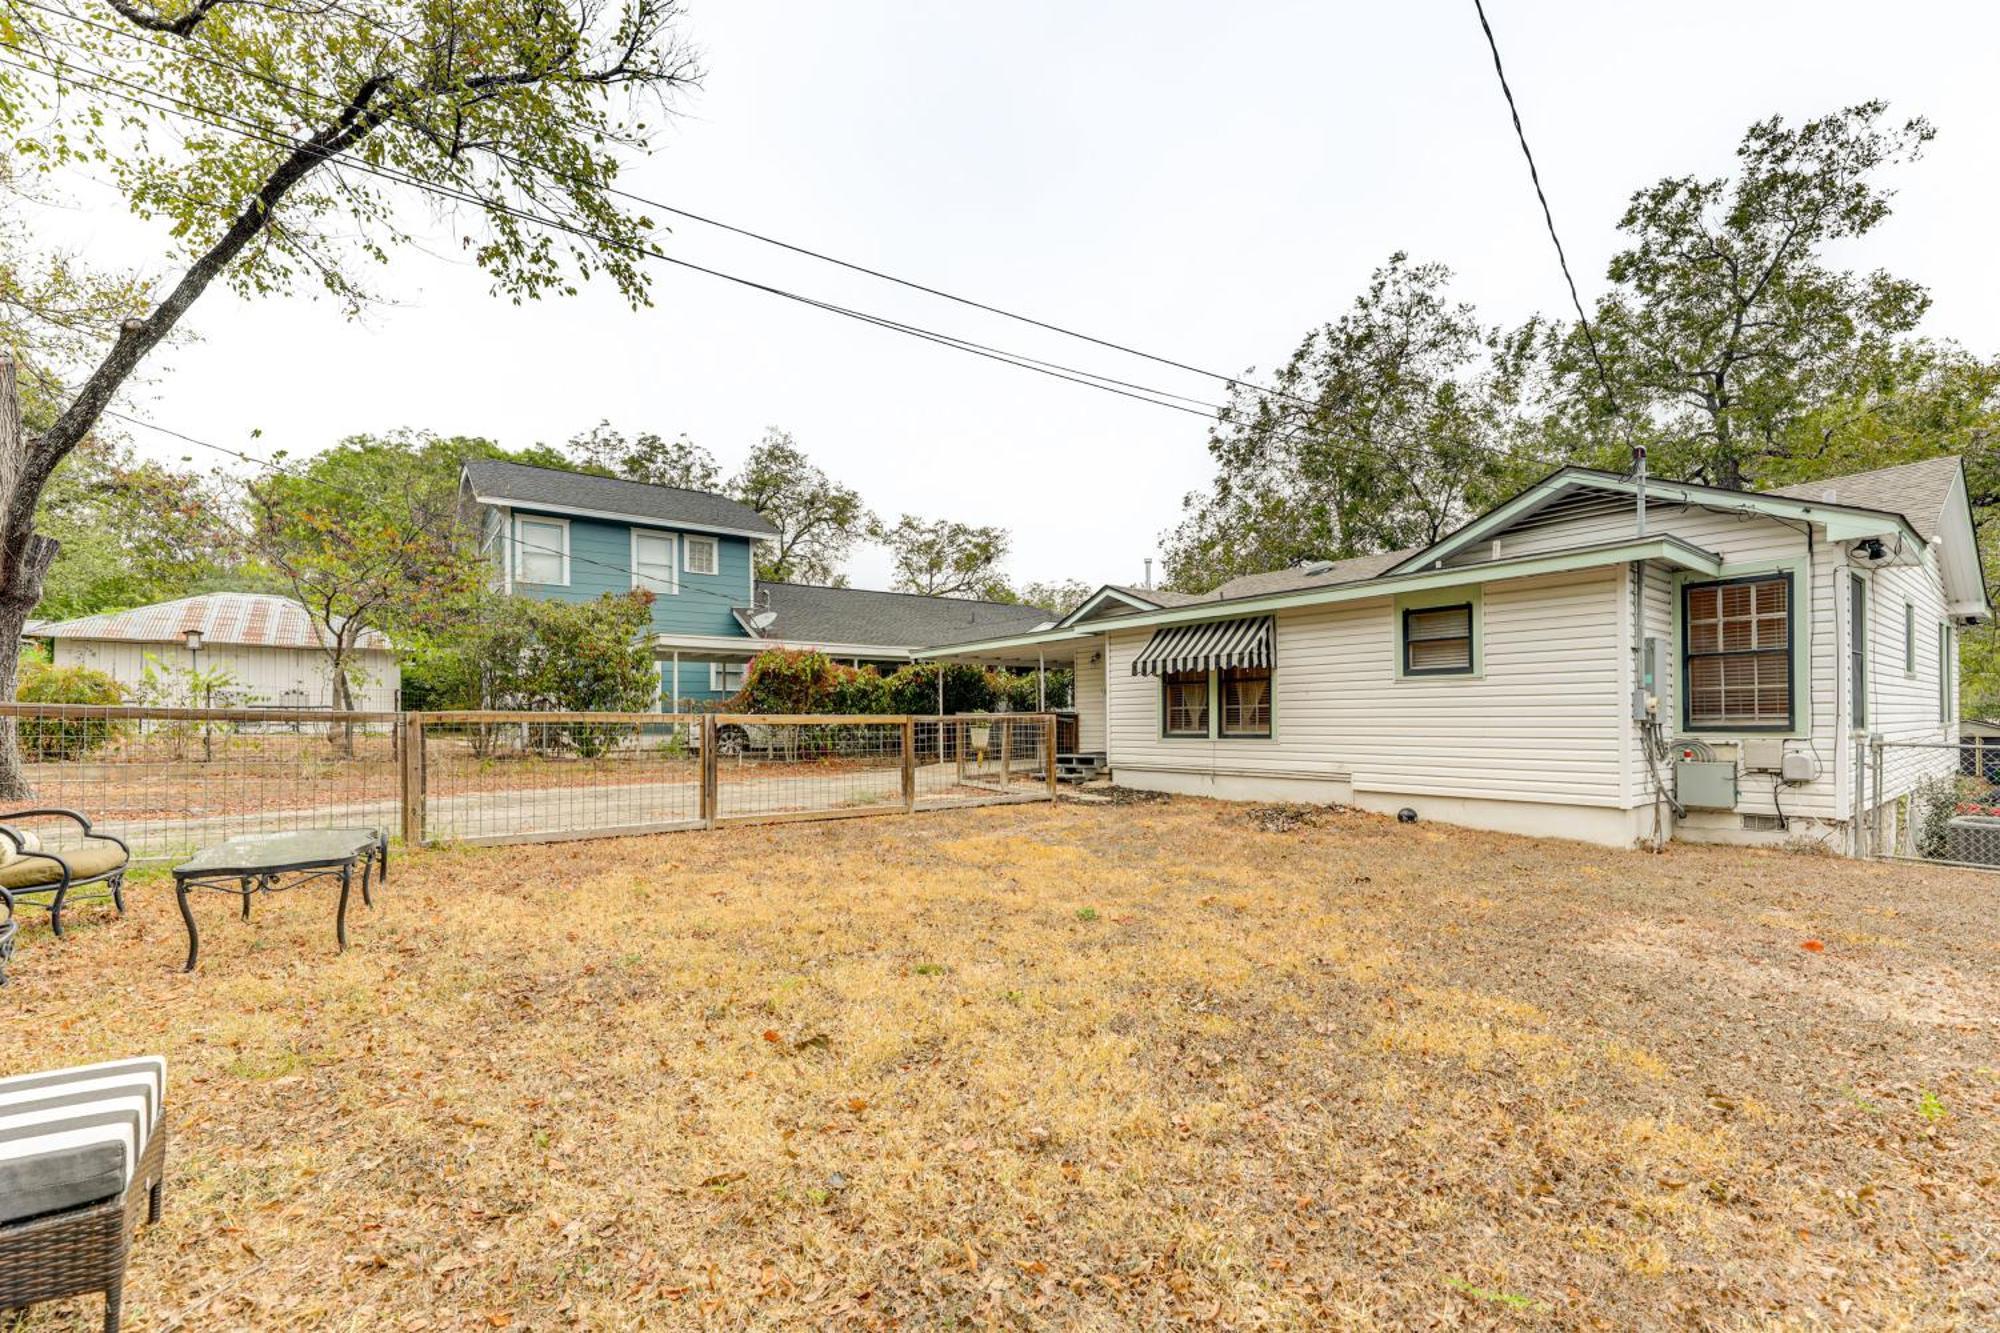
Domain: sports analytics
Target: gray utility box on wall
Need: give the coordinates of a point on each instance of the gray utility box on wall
(1705, 784)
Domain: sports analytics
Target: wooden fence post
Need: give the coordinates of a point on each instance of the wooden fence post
(909, 764)
(1006, 749)
(710, 805)
(960, 734)
(411, 783)
(1049, 751)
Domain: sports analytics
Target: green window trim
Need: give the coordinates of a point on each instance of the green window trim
(1470, 600)
(1688, 656)
(1857, 651)
(1213, 703)
(1944, 673)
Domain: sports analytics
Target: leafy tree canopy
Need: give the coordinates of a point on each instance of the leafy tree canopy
(819, 520)
(943, 558)
(647, 457)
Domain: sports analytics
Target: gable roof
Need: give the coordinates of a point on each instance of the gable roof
(250, 618)
(808, 613)
(1842, 519)
(1918, 491)
(1316, 574)
(560, 491)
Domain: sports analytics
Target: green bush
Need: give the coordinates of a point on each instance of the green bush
(46, 740)
(784, 680)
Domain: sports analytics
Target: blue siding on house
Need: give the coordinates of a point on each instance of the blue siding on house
(601, 562)
(694, 684)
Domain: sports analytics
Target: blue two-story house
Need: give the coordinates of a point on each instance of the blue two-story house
(575, 536)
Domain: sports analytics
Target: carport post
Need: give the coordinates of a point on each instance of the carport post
(1041, 681)
(677, 683)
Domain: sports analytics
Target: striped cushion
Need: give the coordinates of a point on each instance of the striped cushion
(74, 1136)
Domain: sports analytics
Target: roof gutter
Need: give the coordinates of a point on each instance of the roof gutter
(1668, 550)
(613, 516)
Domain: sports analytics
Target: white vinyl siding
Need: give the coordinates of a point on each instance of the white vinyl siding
(1541, 723)
(1089, 695)
(541, 551)
(653, 562)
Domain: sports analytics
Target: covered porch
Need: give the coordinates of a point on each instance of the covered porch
(1081, 749)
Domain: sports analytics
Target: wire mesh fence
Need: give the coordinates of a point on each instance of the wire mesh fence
(539, 777)
(1933, 801)
(173, 780)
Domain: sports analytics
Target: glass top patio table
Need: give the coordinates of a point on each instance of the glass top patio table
(252, 863)
(269, 853)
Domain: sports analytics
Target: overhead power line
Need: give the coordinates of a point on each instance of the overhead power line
(707, 220)
(1548, 216)
(145, 97)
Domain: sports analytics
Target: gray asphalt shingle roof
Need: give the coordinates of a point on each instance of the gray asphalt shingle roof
(520, 484)
(1917, 491)
(812, 614)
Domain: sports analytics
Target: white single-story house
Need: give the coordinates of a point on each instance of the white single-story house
(270, 648)
(1577, 662)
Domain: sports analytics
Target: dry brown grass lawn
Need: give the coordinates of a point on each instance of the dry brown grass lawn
(1073, 1067)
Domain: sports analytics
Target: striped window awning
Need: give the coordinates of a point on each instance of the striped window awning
(1211, 647)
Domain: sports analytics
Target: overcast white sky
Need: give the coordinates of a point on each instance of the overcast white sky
(1205, 182)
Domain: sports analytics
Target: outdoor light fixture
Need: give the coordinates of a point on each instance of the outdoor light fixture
(193, 637)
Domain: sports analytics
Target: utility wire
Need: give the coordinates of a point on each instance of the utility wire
(137, 96)
(691, 215)
(249, 129)
(1548, 217)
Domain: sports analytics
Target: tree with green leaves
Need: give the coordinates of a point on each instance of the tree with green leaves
(1728, 330)
(132, 531)
(362, 559)
(1059, 596)
(279, 147)
(818, 519)
(1384, 429)
(944, 558)
(647, 457)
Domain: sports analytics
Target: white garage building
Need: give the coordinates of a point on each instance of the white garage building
(269, 645)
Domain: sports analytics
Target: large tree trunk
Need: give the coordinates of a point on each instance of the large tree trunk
(25, 556)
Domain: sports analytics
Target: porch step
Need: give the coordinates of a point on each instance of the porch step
(1080, 767)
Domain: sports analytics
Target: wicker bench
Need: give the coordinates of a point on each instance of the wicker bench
(48, 878)
(82, 1154)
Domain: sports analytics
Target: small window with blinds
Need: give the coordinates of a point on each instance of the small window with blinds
(1184, 703)
(1246, 702)
(1736, 654)
(1437, 640)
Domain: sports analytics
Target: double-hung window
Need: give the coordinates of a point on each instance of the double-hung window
(1857, 650)
(1246, 701)
(541, 550)
(1736, 654)
(653, 561)
(1944, 674)
(1437, 640)
(701, 555)
(1184, 703)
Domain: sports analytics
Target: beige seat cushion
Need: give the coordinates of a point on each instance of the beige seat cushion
(91, 859)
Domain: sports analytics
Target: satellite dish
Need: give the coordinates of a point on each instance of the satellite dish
(762, 620)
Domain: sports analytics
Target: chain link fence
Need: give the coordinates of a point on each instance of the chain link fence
(173, 780)
(1936, 801)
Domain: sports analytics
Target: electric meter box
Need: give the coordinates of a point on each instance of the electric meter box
(1701, 784)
